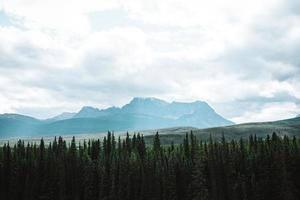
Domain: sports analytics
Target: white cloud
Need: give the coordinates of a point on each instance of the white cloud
(227, 53)
(270, 112)
(198, 12)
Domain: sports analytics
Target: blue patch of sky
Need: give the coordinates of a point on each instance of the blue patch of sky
(4, 19)
(116, 18)
(103, 20)
(9, 20)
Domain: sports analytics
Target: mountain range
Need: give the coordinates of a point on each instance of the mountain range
(139, 113)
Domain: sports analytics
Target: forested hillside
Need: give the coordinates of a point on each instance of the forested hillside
(288, 127)
(252, 169)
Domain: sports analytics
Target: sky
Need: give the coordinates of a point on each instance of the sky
(240, 56)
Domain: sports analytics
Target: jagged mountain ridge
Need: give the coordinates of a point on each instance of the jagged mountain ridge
(197, 113)
(139, 113)
(150, 106)
(62, 116)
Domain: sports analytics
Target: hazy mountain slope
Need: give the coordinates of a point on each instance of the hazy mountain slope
(13, 125)
(88, 112)
(18, 117)
(91, 112)
(197, 119)
(101, 124)
(146, 106)
(62, 116)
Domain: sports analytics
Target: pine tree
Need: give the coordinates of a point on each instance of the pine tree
(156, 143)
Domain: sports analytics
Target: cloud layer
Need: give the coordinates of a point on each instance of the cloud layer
(240, 56)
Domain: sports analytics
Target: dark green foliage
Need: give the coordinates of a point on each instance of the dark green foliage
(253, 169)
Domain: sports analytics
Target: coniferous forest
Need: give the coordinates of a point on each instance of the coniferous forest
(128, 169)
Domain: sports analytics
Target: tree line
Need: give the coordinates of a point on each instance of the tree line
(128, 169)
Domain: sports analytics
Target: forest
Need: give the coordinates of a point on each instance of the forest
(129, 169)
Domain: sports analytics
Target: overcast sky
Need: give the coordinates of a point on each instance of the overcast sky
(241, 56)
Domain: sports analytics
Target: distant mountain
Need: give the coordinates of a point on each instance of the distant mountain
(14, 125)
(158, 108)
(90, 112)
(18, 117)
(63, 116)
(139, 113)
(87, 111)
(146, 106)
(200, 120)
